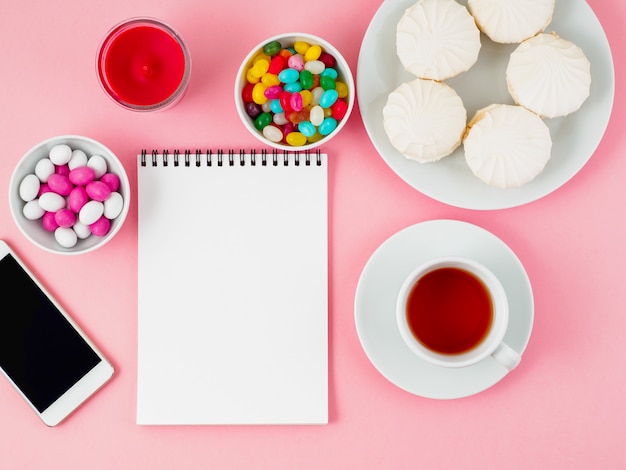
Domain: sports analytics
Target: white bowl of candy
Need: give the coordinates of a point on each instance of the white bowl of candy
(294, 91)
(69, 194)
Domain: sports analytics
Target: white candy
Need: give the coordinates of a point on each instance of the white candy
(272, 133)
(316, 116)
(114, 204)
(32, 210)
(51, 202)
(43, 169)
(316, 67)
(29, 187)
(66, 237)
(60, 154)
(99, 164)
(79, 158)
(91, 212)
(82, 230)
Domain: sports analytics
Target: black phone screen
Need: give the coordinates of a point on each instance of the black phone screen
(40, 350)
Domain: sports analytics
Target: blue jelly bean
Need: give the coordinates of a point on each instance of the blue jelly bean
(289, 75)
(294, 87)
(328, 98)
(328, 125)
(306, 128)
(275, 106)
(329, 72)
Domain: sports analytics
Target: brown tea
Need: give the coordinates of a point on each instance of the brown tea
(449, 310)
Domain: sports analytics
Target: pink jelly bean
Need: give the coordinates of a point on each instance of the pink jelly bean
(100, 227)
(49, 222)
(111, 180)
(65, 218)
(77, 198)
(82, 175)
(288, 128)
(44, 188)
(296, 61)
(98, 191)
(60, 184)
(62, 170)
(295, 101)
(273, 92)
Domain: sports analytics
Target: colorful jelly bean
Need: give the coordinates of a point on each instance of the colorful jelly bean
(289, 75)
(295, 139)
(262, 120)
(327, 83)
(339, 109)
(307, 128)
(328, 125)
(296, 62)
(272, 48)
(272, 133)
(328, 98)
(294, 94)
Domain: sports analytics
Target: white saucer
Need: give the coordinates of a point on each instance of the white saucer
(380, 282)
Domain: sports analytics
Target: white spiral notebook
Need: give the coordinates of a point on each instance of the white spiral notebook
(232, 288)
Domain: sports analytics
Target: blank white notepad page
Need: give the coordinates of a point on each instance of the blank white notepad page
(233, 290)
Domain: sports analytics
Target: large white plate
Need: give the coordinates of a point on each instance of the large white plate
(378, 287)
(575, 137)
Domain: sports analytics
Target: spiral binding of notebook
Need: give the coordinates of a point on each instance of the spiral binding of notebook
(231, 157)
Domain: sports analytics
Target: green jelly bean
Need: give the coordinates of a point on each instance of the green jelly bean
(272, 48)
(306, 79)
(327, 83)
(262, 120)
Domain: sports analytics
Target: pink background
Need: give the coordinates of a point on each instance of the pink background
(562, 408)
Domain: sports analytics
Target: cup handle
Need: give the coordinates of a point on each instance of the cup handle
(506, 356)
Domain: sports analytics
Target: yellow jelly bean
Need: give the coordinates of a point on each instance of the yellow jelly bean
(251, 78)
(301, 47)
(260, 67)
(258, 93)
(307, 98)
(327, 112)
(295, 139)
(313, 53)
(270, 79)
(315, 137)
(342, 89)
(260, 56)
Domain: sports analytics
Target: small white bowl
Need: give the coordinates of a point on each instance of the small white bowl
(33, 229)
(287, 40)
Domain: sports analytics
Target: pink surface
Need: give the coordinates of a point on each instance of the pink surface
(562, 408)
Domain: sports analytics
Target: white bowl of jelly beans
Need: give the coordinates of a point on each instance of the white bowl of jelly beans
(69, 194)
(294, 91)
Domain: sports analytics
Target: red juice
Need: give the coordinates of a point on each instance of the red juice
(143, 65)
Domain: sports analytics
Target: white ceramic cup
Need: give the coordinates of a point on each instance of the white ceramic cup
(491, 343)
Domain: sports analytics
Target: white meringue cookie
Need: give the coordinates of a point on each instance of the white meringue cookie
(549, 75)
(511, 21)
(437, 39)
(507, 146)
(424, 119)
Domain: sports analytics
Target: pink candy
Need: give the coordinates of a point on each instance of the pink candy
(60, 184)
(82, 175)
(98, 191)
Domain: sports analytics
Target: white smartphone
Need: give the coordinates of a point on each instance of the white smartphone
(43, 352)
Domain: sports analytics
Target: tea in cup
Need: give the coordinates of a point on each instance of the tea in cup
(454, 312)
